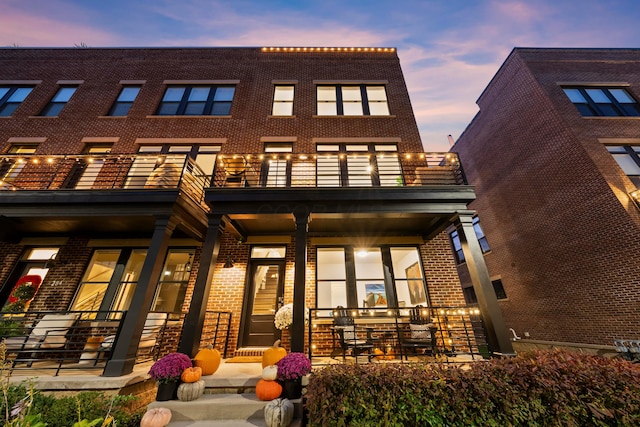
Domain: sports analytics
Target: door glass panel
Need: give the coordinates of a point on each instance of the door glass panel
(277, 173)
(389, 170)
(359, 171)
(331, 279)
(410, 287)
(265, 285)
(129, 280)
(174, 281)
(370, 278)
(328, 171)
(96, 280)
(268, 251)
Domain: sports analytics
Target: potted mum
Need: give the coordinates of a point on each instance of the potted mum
(291, 369)
(166, 371)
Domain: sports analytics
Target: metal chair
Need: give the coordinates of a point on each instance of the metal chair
(345, 329)
(420, 335)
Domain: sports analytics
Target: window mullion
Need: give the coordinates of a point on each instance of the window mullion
(184, 101)
(350, 276)
(365, 100)
(339, 107)
(590, 102)
(389, 279)
(208, 106)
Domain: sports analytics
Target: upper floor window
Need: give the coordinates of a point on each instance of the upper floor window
(470, 296)
(125, 101)
(608, 102)
(58, 101)
(283, 100)
(210, 100)
(11, 97)
(352, 100)
(628, 157)
(358, 165)
(457, 246)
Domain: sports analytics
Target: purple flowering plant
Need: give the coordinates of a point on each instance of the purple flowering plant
(293, 365)
(170, 367)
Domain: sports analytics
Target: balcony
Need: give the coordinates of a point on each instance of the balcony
(103, 172)
(288, 170)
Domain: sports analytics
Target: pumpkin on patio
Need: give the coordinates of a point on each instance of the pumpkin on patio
(191, 375)
(190, 391)
(156, 417)
(268, 390)
(278, 413)
(273, 354)
(378, 353)
(208, 359)
(270, 373)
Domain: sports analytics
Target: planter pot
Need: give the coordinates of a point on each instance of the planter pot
(167, 391)
(292, 389)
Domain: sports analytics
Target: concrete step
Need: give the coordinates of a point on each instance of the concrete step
(228, 408)
(257, 422)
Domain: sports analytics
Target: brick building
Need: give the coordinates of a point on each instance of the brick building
(554, 157)
(191, 181)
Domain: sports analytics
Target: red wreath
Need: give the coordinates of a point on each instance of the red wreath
(32, 279)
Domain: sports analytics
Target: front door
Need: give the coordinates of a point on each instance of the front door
(263, 299)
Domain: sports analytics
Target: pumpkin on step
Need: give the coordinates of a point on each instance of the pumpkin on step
(270, 373)
(156, 417)
(208, 359)
(273, 354)
(278, 413)
(190, 391)
(191, 375)
(268, 390)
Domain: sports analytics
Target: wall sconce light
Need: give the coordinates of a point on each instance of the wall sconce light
(229, 263)
(51, 262)
(187, 266)
(635, 196)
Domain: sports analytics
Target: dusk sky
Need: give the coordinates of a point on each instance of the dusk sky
(449, 49)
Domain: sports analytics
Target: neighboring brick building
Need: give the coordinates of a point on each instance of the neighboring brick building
(141, 174)
(554, 154)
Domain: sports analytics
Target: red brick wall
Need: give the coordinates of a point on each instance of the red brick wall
(551, 200)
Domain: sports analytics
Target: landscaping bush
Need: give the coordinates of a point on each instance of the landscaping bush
(546, 388)
(65, 411)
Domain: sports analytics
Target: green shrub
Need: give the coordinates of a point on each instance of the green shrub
(536, 389)
(65, 411)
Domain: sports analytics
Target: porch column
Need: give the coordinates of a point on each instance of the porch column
(194, 320)
(497, 335)
(299, 279)
(123, 353)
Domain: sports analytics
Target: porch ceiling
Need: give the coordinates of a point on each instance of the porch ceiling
(380, 211)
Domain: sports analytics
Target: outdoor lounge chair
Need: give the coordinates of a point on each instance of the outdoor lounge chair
(153, 326)
(421, 334)
(346, 331)
(48, 333)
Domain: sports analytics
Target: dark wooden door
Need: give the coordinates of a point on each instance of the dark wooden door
(263, 299)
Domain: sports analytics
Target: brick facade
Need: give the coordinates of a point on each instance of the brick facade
(553, 203)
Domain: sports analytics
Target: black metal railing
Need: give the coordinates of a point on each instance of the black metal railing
(287, 170)
(54, 341)
(103, 172)
(385, 334)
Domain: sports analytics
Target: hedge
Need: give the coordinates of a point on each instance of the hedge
(545, 388)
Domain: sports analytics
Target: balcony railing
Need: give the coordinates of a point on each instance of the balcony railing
(383, 333)
(273, 170)
(103, 172)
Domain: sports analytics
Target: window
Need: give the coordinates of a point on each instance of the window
(283, 100)
(277, 169)
(11, 97)
(109, 280)
(58, 101)
(457, 246)
(125, 101)
(86, 169)
(470, 294)
(609, 102)
(358, 165)
(172, 286)
(628, 157)
(355, 277)
(11, 167)
(197, 101)
(352, 100)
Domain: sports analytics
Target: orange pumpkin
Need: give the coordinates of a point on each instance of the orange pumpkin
(268, 390)
(208, 359)
(273, 354)
(191, 375)
(379, 353)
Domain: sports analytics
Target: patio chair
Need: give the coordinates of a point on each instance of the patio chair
(153, 327)
(420, 335)
(48, 333)
(346, 331)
